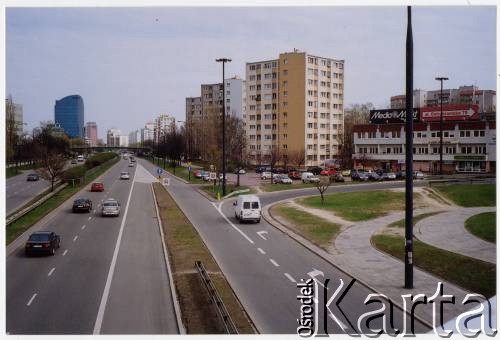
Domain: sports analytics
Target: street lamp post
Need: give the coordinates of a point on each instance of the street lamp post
(409, 157)
(441, 79)
(223, 61)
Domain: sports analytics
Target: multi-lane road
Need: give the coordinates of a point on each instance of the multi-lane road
(19, 191)
(109, 276)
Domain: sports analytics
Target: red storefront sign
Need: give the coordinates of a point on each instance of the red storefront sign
(458, 112)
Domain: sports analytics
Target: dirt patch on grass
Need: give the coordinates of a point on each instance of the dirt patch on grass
(185, 247)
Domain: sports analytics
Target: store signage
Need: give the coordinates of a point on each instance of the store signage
(470, 157)
(392, 116)
(455, 112)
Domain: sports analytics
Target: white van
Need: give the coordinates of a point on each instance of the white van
(247, 208)
(308, 177)
(80, 158)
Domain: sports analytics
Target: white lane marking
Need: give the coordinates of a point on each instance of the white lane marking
(315, 272)
(232, 225)
(31, 300)
(94, 210)
(274, 263)
(261, 251)
(261, 234)
(83, 226)
(65, 252)
(90, 217)
(289, 277)
(51, 271)
(75, 238)
(105, 293)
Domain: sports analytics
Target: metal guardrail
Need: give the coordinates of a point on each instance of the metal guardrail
(460, 180)
(215, 298)
(26, 210)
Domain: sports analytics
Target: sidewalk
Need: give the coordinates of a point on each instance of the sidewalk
(447, 231)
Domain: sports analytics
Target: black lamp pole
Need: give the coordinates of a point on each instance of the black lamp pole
(223, 61)
(409, 157)
(441, 79)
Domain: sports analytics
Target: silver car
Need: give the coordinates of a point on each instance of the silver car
(110, 207)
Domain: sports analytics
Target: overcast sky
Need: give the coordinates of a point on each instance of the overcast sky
(132, 64)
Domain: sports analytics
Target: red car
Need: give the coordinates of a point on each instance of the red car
(97, 187)
(294, 175)
(328, 172)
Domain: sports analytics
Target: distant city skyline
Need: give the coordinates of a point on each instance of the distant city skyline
(133, 64)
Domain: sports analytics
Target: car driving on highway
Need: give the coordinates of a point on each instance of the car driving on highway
(82, 204)
(32, 177)
(97, 186)
(42, 242)
(124, 175)
(110, 207)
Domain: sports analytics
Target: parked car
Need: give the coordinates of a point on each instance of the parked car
(132, 159)
(401, 175)
(110, 207)
(388, 176)
(358, 175)
(373, 176)
(97, 186)
(241, 171)
(282, 179)
(32, 177)
(124, 175)
(294, 175)
(131, 165)
(379, 172)
(309, 177)
(262, 168)
(338, 178)
(247, 208)
(316, 170)
(266, 175)
(418, 175)
(73, 161)
(82, 204)
(328, 172)
(42, 242)
(197, 173)
(346, 173)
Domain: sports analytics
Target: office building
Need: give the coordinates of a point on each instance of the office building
(69, 114)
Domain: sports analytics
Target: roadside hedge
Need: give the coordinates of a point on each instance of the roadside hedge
(98, 158)
(75, 172)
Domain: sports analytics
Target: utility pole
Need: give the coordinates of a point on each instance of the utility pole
(441, 79)
(409, 157)
(223, 61)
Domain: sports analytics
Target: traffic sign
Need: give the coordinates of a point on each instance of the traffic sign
(189, 168)
(213, 176)
(159, 171)
(166, 181)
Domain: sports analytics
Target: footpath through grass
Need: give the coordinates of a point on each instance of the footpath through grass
(278, 187)
(359, 206)
(315, 229)
(185, 247)
(471, 274)
(483, 226)
(469, 195)
(22, 224)
(416, 219)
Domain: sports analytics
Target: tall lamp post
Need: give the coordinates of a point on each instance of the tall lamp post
(441, 79)
(223, 61)
(409, 157)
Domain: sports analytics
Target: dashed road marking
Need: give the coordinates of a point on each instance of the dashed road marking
(231, 223)
(65, 252)
(261, 251)
(83, 226)
(51, 271)
(75, 238)
(90, 217)
(274, 263)
(289, 277)
(31, 300)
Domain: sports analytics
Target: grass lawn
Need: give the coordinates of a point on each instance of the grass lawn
(416, 219)
(22, 224)
(469, 195)
(278, 187)
(483, 226)
(209, 189)
(471, 274)
(359, 206)
(315, 229)
(185, 247)
(14, 171)
(180, 171)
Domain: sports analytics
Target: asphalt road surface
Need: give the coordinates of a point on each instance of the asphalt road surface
(109, 276)
(264, 266)
(19, 191)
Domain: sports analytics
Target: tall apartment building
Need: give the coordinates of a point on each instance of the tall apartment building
(134, 137)
(163, 124)
(113, 137)
(294, 104)
(91, 133)
(147, 132)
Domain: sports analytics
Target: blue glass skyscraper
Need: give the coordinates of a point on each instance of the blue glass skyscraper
(69, 114)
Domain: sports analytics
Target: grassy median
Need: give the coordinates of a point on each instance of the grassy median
(16, 228)
(185, 247)
(278, 187)
(359, 206)
(471, 274)
(483, 226)
(469, 195)
(315, 229)
(416, 219)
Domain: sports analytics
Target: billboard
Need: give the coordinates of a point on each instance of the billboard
(392, 116)
(450, 112)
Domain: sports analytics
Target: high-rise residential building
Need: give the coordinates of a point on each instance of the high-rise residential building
(123, 140)
(69, 114)
(113, 137)
(134, 137)
(294, 106)
(147, 132)
(235, 97)
(163, 124)
(91, 132)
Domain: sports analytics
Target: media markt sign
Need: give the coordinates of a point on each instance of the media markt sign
(392, 116)
(470, 157)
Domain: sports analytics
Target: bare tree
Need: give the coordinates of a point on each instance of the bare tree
(356, 114)
(11, 128)
(236, 141)
(53, 167)
(322, 185)
(297, 157)
(274, 157)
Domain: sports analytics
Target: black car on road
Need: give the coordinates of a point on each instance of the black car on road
(82, 204)
(33, 177)
(42, 242)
